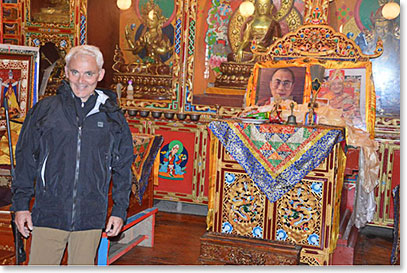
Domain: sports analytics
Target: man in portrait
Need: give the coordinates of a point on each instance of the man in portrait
(339, 99)
(341, 90)
(286, 83)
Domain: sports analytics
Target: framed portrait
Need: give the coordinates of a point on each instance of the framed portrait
(286, 82)
(18, 80)
(348, 86)
(343, 89)
(289, 79)
(345, 85)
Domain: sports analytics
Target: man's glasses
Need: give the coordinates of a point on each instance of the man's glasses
(285, 84)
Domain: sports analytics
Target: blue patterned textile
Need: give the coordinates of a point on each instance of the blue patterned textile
(276, 157)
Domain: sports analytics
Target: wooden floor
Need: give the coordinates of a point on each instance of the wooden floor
(177, 242)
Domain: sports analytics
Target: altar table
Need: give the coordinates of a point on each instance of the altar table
(277, 182)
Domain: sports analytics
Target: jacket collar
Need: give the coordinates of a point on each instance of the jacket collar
(101, 99)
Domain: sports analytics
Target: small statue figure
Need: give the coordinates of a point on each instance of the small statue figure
(311, 116)
(119, 91)
(130, 91)
(262, 29)
(275, 114)
(152, 44)
(52, 11)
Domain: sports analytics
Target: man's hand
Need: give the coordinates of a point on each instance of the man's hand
(23, 222)
(114, 226)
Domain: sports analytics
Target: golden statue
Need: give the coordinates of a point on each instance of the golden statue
(261, 29)
(152, 39)
(53, 11)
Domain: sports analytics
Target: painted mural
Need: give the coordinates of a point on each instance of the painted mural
(362, 21)
(173, 160)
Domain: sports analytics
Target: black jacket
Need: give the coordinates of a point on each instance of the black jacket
(72, 163)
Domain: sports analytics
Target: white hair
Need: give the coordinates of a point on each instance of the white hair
(85, 50)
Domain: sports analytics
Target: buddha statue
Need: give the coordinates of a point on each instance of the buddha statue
(53, 11)
(261, 28)
(152, 45)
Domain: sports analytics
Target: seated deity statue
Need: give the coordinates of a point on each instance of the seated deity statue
(52, 11)
(150, 43)
(261, 28)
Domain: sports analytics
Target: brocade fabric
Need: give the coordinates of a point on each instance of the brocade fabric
(276, 157)
(145, 150)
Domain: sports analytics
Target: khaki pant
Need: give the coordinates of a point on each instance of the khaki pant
(48, 246)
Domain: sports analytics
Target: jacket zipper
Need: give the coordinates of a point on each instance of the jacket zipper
(75, 185)
(78, 157)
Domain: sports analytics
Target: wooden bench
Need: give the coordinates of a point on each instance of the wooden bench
(138, 230)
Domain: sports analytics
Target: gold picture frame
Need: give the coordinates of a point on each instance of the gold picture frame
(359, 72)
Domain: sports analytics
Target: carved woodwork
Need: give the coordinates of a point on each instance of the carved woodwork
(147, 86)
(11, 22)
(319, 206)
(387, 133)
(318, 41)
(7, 254)
(62, 24)
(149, 81)
(218, 248)
(234, 75)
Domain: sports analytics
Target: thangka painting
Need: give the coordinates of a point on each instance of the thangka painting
(18, 80)
(362, 21)
(176, 163)
(183, 162)
(173, 160)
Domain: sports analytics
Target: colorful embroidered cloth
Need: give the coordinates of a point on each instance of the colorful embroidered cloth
(276, 157)
(145, 149)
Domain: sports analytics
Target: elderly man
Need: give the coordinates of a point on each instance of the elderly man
(281, 85)
(70, 145)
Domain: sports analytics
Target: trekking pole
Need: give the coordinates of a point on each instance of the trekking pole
(18, 241)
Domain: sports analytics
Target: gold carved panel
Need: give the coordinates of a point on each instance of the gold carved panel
(243, 206)
(299, 214)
